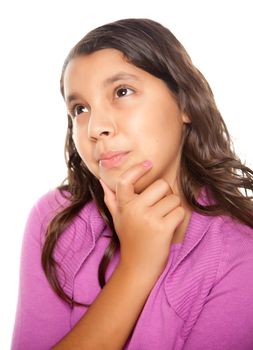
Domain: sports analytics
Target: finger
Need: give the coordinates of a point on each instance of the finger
(155, 192)
(174, 218)
(109, 197)
(125, 186)
(166, 205)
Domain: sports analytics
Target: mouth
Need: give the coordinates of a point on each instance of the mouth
(114, 161)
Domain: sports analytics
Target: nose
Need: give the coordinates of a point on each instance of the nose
(101, 125)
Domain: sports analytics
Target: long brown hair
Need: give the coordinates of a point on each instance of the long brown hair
(208, 158)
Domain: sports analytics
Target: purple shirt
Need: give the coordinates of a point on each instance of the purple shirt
(202, 300)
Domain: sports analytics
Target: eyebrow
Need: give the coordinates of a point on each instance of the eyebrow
(120, 76)
(108, 81)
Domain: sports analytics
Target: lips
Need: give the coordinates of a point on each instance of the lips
(112, 159)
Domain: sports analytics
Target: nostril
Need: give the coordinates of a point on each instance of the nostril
(105, 133)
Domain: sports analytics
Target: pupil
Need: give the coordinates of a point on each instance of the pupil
(122, 92)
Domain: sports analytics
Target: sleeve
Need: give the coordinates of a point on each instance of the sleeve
(226, 320)
(42, 318)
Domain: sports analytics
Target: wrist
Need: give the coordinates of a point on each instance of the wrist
(141, 277)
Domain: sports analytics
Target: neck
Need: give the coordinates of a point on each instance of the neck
(180, 231)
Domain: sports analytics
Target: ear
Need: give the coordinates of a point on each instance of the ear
(185, 118)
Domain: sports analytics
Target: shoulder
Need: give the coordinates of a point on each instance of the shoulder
(230, 232)
(75, 242)
(55, 201)
(223, 243)
(235, 230)
(237, 250)
(225, 226)
(235, 241)
(50, 204)
(218, 233)
(42, 211)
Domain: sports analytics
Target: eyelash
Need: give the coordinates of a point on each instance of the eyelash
(121, 87)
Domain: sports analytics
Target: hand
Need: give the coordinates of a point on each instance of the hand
(145, 222)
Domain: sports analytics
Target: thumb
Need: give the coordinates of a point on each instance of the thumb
(109, 198)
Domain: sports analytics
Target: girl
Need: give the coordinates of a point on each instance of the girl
(149, 244)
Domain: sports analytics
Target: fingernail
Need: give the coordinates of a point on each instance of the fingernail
(147, 164)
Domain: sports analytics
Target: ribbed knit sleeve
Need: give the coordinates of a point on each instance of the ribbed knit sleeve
(41, 317)
(76, 244)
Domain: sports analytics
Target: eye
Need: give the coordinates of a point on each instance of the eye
(123, 91)
(78, 109)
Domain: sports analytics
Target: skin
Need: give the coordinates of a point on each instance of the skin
(146, 213)
(112, 316)
(116, 106)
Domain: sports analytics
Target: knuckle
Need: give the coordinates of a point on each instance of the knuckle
(163, 184)
(175, 199)
(123, 181)
(180, 212)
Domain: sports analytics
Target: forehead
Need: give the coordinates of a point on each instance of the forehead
(101, 67)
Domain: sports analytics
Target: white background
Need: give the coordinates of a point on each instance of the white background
(35, 38)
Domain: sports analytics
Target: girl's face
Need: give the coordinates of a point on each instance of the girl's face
(117, 107)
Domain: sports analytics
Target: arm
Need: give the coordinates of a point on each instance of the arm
(112, 316)
(41, 317)
(145, 233)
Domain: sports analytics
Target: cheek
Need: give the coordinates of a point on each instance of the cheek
(162, 141)
(75, 135)
(79, 140)
(84, 150)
